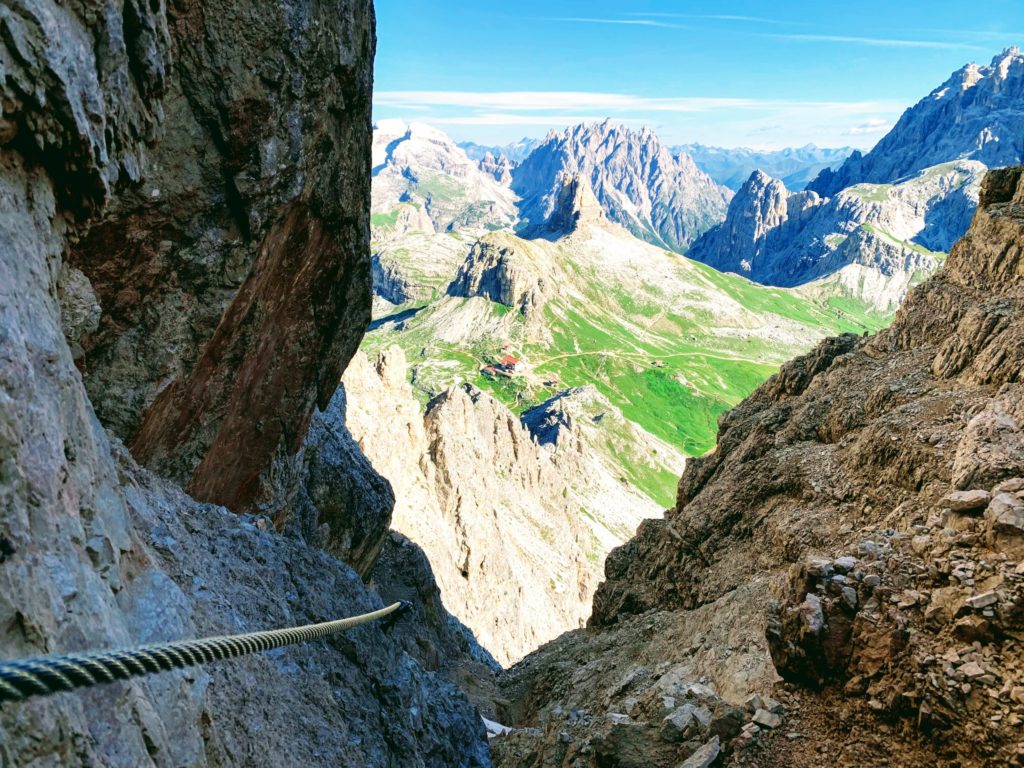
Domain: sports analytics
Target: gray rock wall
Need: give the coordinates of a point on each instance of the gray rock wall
(96, 552)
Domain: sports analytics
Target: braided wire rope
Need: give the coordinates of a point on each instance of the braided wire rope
(44, 675)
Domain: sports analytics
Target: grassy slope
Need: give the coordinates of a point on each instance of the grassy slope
(669, 367)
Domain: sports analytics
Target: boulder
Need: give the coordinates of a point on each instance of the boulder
(966, 501)
(1005, 516)
(704, 756)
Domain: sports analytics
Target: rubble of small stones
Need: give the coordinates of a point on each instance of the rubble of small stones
(926, 622)
(654, 718)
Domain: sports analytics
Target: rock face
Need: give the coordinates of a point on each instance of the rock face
(488, 505)
(499, 167)
(339, 503)
(196, 223)
(794, 166)
(822, 524)
(974, 115)
(663, 199)
(502, 275)
(574, 206)
(875, 240)
(416, 164)
(252, 176)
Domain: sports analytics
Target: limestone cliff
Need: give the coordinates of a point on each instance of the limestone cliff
(858, 531)
(186, 194)
(503, 275)
(495, 514)
(214, 346)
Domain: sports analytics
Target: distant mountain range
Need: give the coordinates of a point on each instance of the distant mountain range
(663, 199)
(422, 180)
(795, 166)
(872, 224)
(875, 241)
(516, 152)
(882, 221)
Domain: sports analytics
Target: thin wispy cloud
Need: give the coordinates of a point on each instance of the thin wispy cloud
(624, 22)
(879, 42)
(712, 17)
(868, 127)
(977, 34)
(657, 20)
(604, 103)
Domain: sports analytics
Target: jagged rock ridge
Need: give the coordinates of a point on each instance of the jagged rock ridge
(858, 530)
(876, 241)
(976, 115)
(660, 198)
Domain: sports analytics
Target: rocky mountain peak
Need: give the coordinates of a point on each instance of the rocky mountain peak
(975, 114)
(757, 186)
(659, 197)
(755, 214)
(500, 167)
(574, 206)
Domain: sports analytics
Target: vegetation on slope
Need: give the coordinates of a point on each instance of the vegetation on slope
(669, 342)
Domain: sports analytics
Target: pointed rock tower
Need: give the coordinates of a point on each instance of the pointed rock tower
(575, 205)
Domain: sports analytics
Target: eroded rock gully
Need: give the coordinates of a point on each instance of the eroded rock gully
(853, 548)
(185, 197)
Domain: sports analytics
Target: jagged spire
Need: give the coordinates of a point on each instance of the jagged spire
(575, 205)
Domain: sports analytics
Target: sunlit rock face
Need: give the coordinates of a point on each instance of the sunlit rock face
(661, 198)
(974, 115)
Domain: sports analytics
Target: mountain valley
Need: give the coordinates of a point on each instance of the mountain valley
(614, 356)
(543, 286)
(605, 453)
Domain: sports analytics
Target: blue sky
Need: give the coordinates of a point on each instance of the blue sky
(761, 74)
